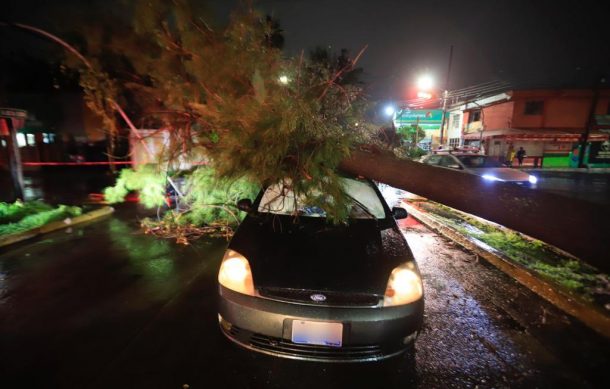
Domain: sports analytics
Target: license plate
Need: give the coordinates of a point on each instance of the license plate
(317, 332)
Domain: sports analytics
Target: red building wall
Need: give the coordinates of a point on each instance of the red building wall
(562, 110)
(498, 116)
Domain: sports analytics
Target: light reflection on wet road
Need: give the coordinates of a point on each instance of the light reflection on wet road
(104, 306)
(592, 187)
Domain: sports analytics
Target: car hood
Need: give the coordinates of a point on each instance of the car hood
(502, 173)
(314, 255)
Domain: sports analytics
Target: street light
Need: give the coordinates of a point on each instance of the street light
(425, 82)
(389, 110)
(284, 79)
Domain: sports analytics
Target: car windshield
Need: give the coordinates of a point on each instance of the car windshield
(477, 161)
(280, 200)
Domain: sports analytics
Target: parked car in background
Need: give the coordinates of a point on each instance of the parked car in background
(304, 288)
(480, 165)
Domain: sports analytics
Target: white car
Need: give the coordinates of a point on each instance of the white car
(480, 165)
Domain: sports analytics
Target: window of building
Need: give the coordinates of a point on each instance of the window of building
(21, 140)
(533, 107)
(474, 116)
(45, 138)
(31, 139)
(454, 142)
(456, 121)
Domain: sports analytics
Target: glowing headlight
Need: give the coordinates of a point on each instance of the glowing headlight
(404, 286)
(532, 179)
(490, 177)
(235, 273)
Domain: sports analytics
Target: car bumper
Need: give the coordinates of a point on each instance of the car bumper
(369, 333)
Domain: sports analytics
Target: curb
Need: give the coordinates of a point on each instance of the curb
(581, 310)
(592, 170)
(54, 226)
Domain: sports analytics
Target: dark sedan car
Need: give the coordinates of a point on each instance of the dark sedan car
(303, 288)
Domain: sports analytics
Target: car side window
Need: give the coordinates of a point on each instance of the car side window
(433, 160)
(447, 161)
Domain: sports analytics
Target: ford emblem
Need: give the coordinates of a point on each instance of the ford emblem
(318, 297)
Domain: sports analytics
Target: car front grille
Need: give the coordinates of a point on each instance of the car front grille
(285, 348)
(331, 298)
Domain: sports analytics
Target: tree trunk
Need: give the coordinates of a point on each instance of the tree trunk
(14, 160)
(576, 226)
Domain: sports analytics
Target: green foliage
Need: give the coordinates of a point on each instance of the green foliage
(570, 274)
(217, 92)
(207, 198)
(13, 212)
(44, 214)
(411, 134)
(148, 180)
(211, 199)
(532, 254)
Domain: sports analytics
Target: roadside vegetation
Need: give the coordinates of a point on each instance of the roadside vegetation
(566, 271)
(206, 204)
(19, 216)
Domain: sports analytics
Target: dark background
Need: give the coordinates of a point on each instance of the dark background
(529, 43)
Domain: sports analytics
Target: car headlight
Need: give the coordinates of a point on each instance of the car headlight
(404, 286)
(532, 179)
(235, 273)
(490, 177)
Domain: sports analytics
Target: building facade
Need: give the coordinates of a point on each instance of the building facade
(548, 124)
(428, 120)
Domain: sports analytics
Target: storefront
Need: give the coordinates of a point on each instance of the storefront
(549, 149)
(428, 120)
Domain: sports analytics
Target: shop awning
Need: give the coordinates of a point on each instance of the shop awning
(536, 136)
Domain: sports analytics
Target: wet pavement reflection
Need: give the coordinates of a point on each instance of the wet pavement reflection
(105, 306)
(592, 187)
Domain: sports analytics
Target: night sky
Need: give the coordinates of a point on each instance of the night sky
(525, 42)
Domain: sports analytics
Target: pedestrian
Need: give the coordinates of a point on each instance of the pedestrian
(520, 155)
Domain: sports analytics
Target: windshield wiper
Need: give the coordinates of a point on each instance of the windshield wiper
(362, 206)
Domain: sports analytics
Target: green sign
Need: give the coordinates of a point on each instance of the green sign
(427, 119)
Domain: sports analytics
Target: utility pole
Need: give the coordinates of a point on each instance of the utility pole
(590, 122)
(446, 95)
(14, 158)
(416, 131)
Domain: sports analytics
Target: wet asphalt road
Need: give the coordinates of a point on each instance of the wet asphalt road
(104, 306)
(592, 187)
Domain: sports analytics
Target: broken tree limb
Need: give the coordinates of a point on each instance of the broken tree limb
(576, 226)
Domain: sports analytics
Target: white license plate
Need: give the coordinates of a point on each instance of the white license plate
(317, 332)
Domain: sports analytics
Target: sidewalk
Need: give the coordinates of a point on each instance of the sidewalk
(565, 170)
(559, 278)
(54, 226)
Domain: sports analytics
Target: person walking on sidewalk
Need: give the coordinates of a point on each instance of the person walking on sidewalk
(520, 155)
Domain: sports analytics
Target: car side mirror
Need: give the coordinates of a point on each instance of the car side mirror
(244, 205)
(399, 213)
(454, 166)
